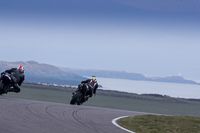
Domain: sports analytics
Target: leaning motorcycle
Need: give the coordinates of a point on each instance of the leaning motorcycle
(5, 83)
(79, 96)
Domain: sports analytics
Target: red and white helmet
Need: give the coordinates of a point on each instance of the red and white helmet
(21, 68)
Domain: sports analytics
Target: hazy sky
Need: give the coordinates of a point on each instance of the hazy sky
(152, 37)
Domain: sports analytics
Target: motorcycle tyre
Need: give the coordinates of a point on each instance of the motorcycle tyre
(1, 87)
(76, 98)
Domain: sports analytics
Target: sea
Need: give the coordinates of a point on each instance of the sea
(189, 91)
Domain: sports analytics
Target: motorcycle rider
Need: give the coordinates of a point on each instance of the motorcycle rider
(17, 76)
(92, 86)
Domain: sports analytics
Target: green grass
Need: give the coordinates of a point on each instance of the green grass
(41, 95)
(161, 124)
(107, 99)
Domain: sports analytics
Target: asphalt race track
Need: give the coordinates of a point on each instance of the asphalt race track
(26, 116)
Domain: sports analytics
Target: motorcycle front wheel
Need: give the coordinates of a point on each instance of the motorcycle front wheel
(1, 87)
(76, 99)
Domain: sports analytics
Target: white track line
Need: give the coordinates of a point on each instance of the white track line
(114, 121)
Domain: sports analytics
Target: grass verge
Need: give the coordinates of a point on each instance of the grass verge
(161, 124)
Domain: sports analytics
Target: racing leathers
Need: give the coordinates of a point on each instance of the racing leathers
(17, 76)
(92, 86)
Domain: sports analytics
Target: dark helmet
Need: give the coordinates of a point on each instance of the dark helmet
(21, 69)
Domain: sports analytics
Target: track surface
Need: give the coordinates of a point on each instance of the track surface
(26, 116)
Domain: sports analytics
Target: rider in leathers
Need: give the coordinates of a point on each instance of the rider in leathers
(92, 86)
(17, 76)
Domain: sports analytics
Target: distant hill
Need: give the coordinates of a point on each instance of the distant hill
(44, 73)
(129, 76)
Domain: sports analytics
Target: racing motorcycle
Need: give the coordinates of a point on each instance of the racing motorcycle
(5, 83)
(79, 96)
